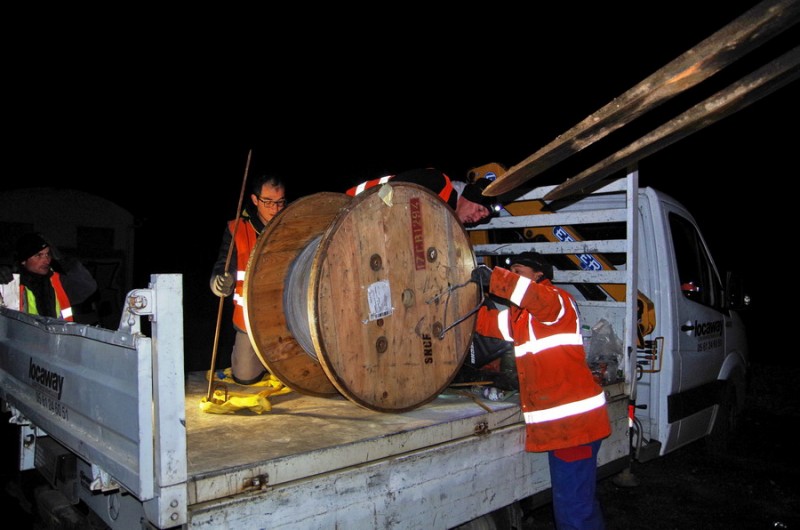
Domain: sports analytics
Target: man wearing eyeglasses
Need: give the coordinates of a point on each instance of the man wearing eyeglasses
(267, 198)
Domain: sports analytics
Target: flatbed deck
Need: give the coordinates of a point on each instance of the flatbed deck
(274, 447)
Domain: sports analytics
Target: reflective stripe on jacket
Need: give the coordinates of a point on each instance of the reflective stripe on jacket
(433, 179)
(27, 300)
(355, 190)
(562, 404)
(245, 238)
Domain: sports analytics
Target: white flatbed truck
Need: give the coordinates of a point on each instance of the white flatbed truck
(112, 421)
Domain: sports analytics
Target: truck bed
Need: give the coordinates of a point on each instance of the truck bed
(327, 463)
(275, 447)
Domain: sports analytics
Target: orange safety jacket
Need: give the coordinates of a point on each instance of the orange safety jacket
(27, 300)
(562, 404)
(245, 238)
(444, 192)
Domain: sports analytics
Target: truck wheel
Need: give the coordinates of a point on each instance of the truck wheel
(725, 422)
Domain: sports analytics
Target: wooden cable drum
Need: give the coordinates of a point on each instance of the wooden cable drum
(370, 299)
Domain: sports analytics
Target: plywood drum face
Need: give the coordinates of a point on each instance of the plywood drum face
(282, 240)
(389, 275)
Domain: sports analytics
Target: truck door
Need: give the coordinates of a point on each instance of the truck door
(699, 345)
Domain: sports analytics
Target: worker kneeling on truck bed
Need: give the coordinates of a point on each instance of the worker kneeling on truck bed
(564, 408)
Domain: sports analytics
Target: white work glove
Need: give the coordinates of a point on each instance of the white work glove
(223, 285)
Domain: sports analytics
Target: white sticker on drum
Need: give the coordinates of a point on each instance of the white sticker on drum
(379, 297)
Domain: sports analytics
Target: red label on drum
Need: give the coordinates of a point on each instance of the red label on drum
(418, 238)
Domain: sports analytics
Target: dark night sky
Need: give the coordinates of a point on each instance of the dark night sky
(161, 122)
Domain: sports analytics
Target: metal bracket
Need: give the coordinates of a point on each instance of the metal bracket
(102, 481)
(482, 429)
(139, 302)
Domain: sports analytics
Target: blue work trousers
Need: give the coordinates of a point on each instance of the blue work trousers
(573, 477)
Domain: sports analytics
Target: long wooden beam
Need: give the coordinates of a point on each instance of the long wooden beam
(747, 90)
(749, 31)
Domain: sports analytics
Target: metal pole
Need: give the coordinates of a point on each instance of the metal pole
(227, 263)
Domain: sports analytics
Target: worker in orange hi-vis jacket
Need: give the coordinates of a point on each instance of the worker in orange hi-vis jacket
(564, 408)
(267, 199)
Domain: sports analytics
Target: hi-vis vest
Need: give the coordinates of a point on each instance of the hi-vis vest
(246, 237)
(443, 193)
(562, 404)
(27, 300)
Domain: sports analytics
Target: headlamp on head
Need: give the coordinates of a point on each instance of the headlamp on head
(495, 208)
(473, 191)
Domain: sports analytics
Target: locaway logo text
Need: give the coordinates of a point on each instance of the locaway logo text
(48, 379)
(707, 329)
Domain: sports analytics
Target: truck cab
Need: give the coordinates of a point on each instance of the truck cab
(700, 383)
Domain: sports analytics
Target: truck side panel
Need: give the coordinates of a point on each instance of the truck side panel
(64, 375)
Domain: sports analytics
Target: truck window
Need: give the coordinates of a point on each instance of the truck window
(698, 280)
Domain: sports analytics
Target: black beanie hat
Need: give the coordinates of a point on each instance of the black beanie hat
(535, 261)
(473, 191)
(28, 245)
